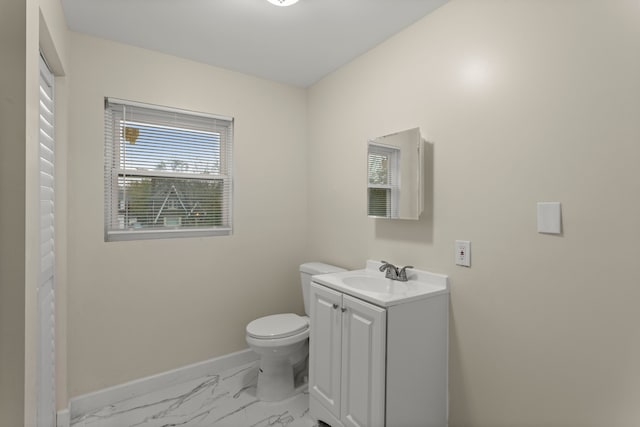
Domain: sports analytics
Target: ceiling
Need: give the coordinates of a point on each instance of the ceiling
(296, 45)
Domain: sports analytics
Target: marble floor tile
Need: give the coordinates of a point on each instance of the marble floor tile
(227, 399)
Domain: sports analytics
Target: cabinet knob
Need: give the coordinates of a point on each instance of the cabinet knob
(335, 306)
(344, 309)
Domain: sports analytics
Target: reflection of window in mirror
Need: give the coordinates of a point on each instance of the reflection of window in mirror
(395, 175)
(384, 180)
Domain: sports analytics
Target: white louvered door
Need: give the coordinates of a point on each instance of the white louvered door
(46, 416)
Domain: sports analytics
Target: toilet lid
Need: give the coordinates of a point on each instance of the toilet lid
(277, 326)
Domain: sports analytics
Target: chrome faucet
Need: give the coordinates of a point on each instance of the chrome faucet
(393, 272)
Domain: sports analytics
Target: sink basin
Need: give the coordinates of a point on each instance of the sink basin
(378, 285)
(369, 284)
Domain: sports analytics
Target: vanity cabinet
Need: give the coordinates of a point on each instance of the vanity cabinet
(375, 366)
(347, 374)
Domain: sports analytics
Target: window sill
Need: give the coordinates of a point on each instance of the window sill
(125, 235)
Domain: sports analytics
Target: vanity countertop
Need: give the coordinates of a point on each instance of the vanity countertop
(370, 284)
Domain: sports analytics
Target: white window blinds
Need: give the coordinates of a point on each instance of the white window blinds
(168, 172)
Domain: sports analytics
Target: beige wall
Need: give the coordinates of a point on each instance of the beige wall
(139, 308)
(524, 101)
(12, 223)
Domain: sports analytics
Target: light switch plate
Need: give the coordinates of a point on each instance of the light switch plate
(549, 218)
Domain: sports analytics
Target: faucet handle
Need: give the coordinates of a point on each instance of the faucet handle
(385, 265)
(391, 271)
(402, 274)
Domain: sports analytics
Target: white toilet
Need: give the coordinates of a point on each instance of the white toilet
(281, 340)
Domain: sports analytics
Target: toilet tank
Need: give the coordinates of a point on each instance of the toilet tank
(307, 270)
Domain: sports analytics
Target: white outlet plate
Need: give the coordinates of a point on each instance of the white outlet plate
(463, 253)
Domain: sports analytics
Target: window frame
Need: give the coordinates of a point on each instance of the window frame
(113, 172)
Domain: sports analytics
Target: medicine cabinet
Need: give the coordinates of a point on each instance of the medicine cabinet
(395, 172)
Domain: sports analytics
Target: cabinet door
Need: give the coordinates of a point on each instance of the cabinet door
(325, 347)
(363, 363)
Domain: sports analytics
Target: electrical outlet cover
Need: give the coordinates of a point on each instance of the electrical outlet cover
(463, 253)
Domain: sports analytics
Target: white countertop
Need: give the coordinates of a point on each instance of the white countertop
(369, 284)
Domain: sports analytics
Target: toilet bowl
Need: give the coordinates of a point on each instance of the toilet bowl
(281, 341)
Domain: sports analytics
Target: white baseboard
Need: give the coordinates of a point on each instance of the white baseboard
(86, 403)
(63, 418)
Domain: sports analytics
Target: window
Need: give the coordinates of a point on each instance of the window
(384, 182)
(168, 172)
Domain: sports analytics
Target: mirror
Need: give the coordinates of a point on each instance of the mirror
(395, 175)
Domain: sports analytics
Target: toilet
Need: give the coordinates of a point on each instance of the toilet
(281, 341)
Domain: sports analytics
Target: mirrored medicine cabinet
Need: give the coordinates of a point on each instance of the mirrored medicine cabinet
(395, 175)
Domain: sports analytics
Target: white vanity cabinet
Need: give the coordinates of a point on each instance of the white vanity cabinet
(377, 362)
(348, 347)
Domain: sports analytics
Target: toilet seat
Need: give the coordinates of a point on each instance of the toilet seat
(277, 326)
